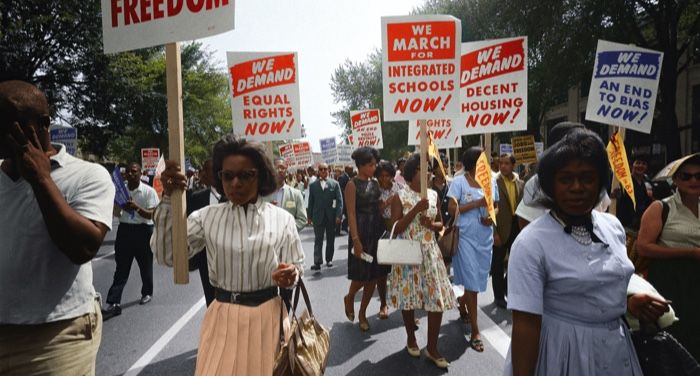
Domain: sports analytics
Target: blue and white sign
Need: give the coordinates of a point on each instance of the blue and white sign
(328, 150)
(624, 86)
(505, 149)
(66, 136)
(345, 154)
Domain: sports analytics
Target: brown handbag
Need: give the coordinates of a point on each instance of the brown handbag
(449, 240)
(305, 353)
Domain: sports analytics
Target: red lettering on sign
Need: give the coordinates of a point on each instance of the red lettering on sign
(492, 61)
(138, 11)
(421, 41)
(262, 73)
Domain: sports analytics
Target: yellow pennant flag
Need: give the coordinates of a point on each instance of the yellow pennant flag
(483, 177)
(435, 153)
(617, 156)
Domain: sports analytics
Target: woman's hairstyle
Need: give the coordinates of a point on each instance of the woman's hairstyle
(579, 144)
(411, 167)
(470, 157)
(385, 166)
(232, 145)
(364, 155)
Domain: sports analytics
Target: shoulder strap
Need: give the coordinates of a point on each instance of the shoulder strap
(664, 212)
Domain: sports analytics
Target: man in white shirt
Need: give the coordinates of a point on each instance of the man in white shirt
(133, 240)
(288, 198)
(55, 210)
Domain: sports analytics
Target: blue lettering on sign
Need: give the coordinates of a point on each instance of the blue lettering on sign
(634, 64)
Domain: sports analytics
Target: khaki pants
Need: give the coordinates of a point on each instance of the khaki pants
(66, 347)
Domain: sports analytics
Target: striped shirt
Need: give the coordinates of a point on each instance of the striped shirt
(243, 248)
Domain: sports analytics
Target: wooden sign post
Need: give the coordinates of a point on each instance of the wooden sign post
(423, 158)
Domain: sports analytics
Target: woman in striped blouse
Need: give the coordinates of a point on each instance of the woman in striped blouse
(253, 248)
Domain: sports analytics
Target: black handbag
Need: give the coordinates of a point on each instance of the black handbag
(660, 354)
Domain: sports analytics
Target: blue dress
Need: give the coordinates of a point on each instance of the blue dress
(472, 262)
(581, 293)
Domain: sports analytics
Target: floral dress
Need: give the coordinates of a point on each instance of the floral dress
(426, 286)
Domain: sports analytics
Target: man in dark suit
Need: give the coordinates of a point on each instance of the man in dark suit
(196, 201)
(510, 191)
(325, 211)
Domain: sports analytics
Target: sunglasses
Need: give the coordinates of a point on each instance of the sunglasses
(245, 176)
(684, 176)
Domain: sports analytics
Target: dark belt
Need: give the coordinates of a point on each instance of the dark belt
(251, 299)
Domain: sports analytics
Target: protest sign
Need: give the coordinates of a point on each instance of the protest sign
(66, 136)
(318, 158)
(617, 156)
(483, 177)
(265, 95)
(302, 154)
(287, 153)
(121, 196)
(624, 86)
(149, 158)
(328, 150)
(539, 146)
(366, 128)
(345, 154)
(524, 149)
(505, 149)
(420, 67)
(441, 131)
(132, 24)
(493, 86)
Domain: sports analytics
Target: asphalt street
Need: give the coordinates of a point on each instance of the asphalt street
(160, 338)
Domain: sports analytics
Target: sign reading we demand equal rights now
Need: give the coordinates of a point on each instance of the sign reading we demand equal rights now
(442, 132)
(132, 24)
(493, 86)
(420, 67)
(366, 128)
(265, 102)
(624, 86)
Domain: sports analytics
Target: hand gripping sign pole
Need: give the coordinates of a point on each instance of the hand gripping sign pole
(177, 153)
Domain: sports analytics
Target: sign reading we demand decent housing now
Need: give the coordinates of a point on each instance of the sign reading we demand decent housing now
(420, 67)
(624, 86)
(265, 88)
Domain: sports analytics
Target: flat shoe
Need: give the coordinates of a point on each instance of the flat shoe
(439, 363)
(349, 313)
(384, 313)
(413, 351)
(364, 326)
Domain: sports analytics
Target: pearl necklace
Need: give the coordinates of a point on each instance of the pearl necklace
(579, 233)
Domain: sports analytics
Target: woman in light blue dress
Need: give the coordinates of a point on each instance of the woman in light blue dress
(568, 273)
(472, 262)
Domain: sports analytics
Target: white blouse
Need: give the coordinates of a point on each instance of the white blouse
(243, 247)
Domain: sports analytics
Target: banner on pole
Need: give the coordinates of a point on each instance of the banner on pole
(302, 154)
(617, 156)
(624, 86)
(287, 153)
(328, 150)
(367, 128)
(265, 95)
(441, 131)
(493, 86)
(524, 149)
(420, 67)
(149, 158)
(66, 136)
(132, 24)
(483, 177)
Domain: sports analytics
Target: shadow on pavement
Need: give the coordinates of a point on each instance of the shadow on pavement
(183, 364)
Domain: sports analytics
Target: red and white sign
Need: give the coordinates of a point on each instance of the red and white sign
(149, 158)
(367, 128)
(302, 154)
(420, 67)
(132, 24)
(493, 86)
(287, 153)
(265, 88)
(441, 130)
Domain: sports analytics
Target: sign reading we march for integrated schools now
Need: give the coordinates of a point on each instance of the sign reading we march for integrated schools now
(366, 128)
(420, 67)
(624, 86)
(132, 24)
(265, 89)
(493, 86)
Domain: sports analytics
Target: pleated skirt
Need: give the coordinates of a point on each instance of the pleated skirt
(240, 340)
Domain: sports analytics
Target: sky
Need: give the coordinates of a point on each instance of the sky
(324, 33)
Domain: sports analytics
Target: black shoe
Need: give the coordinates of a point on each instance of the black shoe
(112, 310)
(501, 303)
(315, 267)
(145, 299)
(329, 264)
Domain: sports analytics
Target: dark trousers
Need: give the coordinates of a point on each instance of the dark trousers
(133, 242)
(319, 230)
(199, 261)
(498, 261)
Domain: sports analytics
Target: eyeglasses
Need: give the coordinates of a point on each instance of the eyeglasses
(245, 176)
(686, 176)
(323, 168)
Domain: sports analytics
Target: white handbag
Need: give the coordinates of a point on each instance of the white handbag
(398, 251)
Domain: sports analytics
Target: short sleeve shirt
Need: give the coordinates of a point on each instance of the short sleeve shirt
(38, 283)
(145, 197)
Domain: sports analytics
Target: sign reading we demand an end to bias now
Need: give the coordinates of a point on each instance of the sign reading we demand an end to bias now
(420, 67)
(265, 89)
(624, 86)
(493, 86)
(132, 24)
(366, 128)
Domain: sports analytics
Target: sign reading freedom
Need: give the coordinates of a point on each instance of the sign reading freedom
(133, 24)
